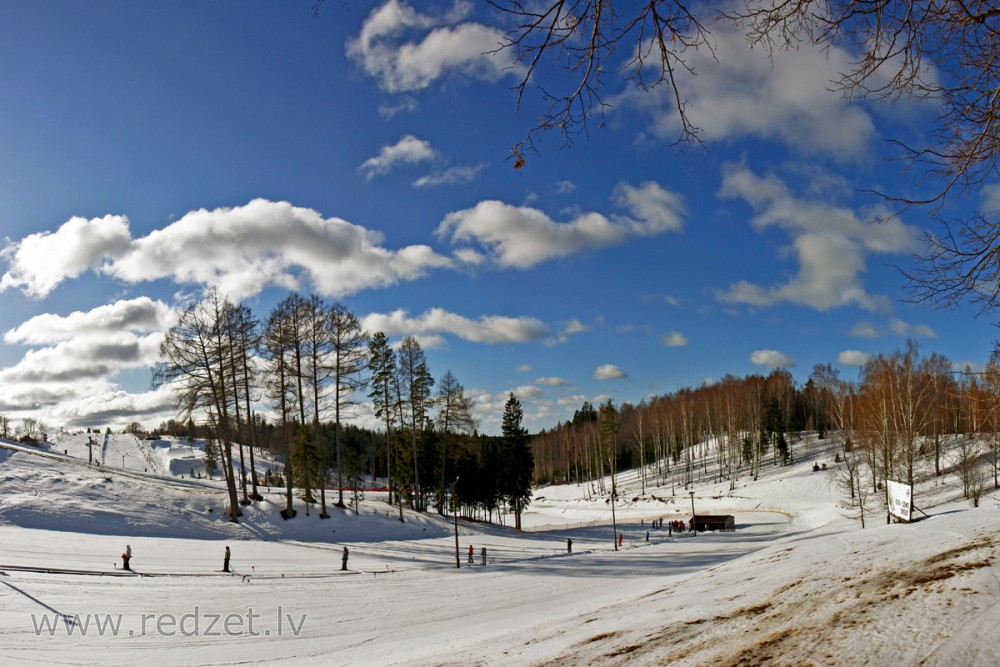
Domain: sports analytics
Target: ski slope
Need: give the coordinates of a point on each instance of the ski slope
(798, 582)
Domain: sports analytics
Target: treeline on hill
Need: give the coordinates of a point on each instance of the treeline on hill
(308, 363)
(901, 408)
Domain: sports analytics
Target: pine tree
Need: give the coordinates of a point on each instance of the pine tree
(516, 460)
(382, 383)
(211, 456)
(416, 383)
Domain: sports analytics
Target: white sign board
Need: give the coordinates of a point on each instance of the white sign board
(900, 501)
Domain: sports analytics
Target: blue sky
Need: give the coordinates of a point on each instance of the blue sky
(151, 150)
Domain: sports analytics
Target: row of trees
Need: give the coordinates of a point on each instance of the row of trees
(901, 409)
(309, 364)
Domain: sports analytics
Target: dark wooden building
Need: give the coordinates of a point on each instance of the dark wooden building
(705, 522)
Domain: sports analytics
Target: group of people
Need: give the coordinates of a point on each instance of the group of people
(677, 525)
(127, 558)
(481, 551)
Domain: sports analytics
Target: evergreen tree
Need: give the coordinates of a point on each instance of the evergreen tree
(415, 382)
(211, 456)
(383, 392)
(517, 461)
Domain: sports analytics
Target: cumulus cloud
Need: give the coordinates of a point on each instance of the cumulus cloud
(408, 150)
(654, 209)
(771, 359)
(489, 329)
(608, 372)
(675, 339)
(244, 249)
(788, 91)
(239, 250)
(522, 237)
(40, 262)
(831, 245)
(405, 50)
(552, 382)
(136, 315)
(68, 375)
(527, 391)
(853, 358)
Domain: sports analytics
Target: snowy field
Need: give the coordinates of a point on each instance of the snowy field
(797, 583)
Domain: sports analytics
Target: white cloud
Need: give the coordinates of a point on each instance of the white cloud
(771, 359)
(527, 391)
(244, 249)
(895, 326)
(239, 250)
(68, 376)
(403, 104)
(655, 210)
(865, 330)
(490, 329)
(901, 328)
(675, 339)
(406, 51)
(734, 91)
(450, 176)
(990, 197)
(552, 382)
(853, 358)
(575, 401)
(521, 237)
(136, 315)
(831, 245)
(40, 262)
(408, 150)
(608, 372)
(524, 368)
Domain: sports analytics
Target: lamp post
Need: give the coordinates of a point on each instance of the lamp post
(454, 511)
(694, 528)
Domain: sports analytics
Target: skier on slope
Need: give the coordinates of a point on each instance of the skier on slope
(126, 557)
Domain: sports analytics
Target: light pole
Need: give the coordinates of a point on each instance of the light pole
(454, 511)
(694, 529)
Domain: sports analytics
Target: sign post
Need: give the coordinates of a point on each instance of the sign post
(900, 499)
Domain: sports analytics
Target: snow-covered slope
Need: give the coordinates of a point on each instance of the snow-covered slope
(797, 583)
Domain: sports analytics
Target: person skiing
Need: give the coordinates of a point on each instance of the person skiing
(126, 557)
(569, 545)
(343, 561)
(620, 536)
(225, 561)
(484, 555)
(470, 553)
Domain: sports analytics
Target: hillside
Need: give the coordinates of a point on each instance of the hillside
(798, 582)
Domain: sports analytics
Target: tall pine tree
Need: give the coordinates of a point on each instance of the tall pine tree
(516, 460)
